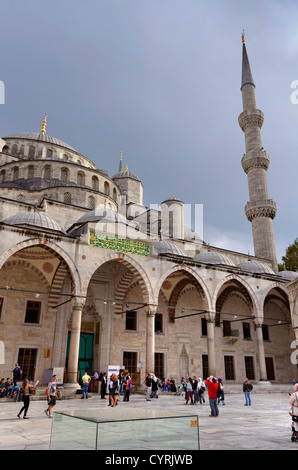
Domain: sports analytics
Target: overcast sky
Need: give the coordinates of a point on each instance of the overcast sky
(160, 80)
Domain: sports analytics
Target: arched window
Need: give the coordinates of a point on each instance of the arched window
(91, 202)
(65, 157)
(31, 153)
(81, 178)
(21, 198)
(47, 172)
(107, 188)
(14, 150)
(30, 171)
(2, 176)
(64, 175)
(49, 153)
(67, 198)
(114, 194)
(15, 173)
(95, 183)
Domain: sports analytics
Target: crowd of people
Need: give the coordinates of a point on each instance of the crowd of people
(115, 386)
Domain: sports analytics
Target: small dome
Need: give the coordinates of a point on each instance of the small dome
(35, 219)
(164, 247)
(190, 234)
(126, 174)
(288, 275)
(173, 199)
(103, 214)
(39, 137)
(255, 267)
(213, 257)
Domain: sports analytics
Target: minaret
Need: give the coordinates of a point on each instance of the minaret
(260, 210)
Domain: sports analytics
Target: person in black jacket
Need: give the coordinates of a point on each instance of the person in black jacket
(148, 383)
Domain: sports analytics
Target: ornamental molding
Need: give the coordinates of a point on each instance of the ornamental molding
(255, 161)
(261, 209)
(251, 118)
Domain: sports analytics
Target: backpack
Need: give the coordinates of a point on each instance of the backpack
(249, 387)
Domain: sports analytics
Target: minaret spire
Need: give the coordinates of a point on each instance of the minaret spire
(120, 163)
(260, 210)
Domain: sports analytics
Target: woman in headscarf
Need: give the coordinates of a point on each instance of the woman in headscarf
(154, 385)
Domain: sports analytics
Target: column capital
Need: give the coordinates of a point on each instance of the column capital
(79, 303)
(151, 310)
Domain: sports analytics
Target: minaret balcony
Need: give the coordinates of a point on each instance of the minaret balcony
(251, 118)
(255, 159)
(262, 208)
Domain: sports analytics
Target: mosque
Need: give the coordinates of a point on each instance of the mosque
(90, 277)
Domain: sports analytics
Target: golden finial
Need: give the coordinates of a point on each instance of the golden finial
(243, 37)
(44, 124)
(126, 167)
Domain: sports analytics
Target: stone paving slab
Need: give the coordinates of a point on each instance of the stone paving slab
(263, 426)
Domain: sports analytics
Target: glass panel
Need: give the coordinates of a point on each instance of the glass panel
(70, 433)
(133, 429)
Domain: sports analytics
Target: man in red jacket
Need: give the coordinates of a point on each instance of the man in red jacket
(212, 385)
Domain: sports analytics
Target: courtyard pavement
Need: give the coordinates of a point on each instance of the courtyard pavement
(263, 426)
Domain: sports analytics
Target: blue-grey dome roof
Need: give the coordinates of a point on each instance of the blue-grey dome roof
(213, 257)
(288, 275)
(255, 267)
(40, 138)
(165, 247)
(35, 219)
(103, 214)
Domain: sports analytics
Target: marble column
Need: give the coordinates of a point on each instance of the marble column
(261, 352)
(211, 346)
(150, 339)
(74, 345)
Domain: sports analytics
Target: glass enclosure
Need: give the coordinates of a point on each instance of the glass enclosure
(124, 429)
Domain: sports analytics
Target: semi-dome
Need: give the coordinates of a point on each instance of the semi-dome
(288, 275)
(35, 219)
(40, 138)
(102, 214)
(213, 257)
(165, 247)
(256, 267)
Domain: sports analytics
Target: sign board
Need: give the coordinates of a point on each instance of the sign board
(59, 372)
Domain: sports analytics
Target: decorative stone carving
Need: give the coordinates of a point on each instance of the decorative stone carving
(260, 209)
(251, 118)
(255, 161)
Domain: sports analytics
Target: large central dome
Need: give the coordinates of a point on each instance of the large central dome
(40, 138)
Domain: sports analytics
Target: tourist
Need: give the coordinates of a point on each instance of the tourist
(212, 385)
(16, 374)
(189, 391)
(154, 386)
(247, 388)
(86, 380)
(114, 390)
(51, 392)
(201, 391)
(148, 383)
(127, 387)
(221, 394)
(103, 386)
(293, 400)
(195, 388)
(26, 397)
